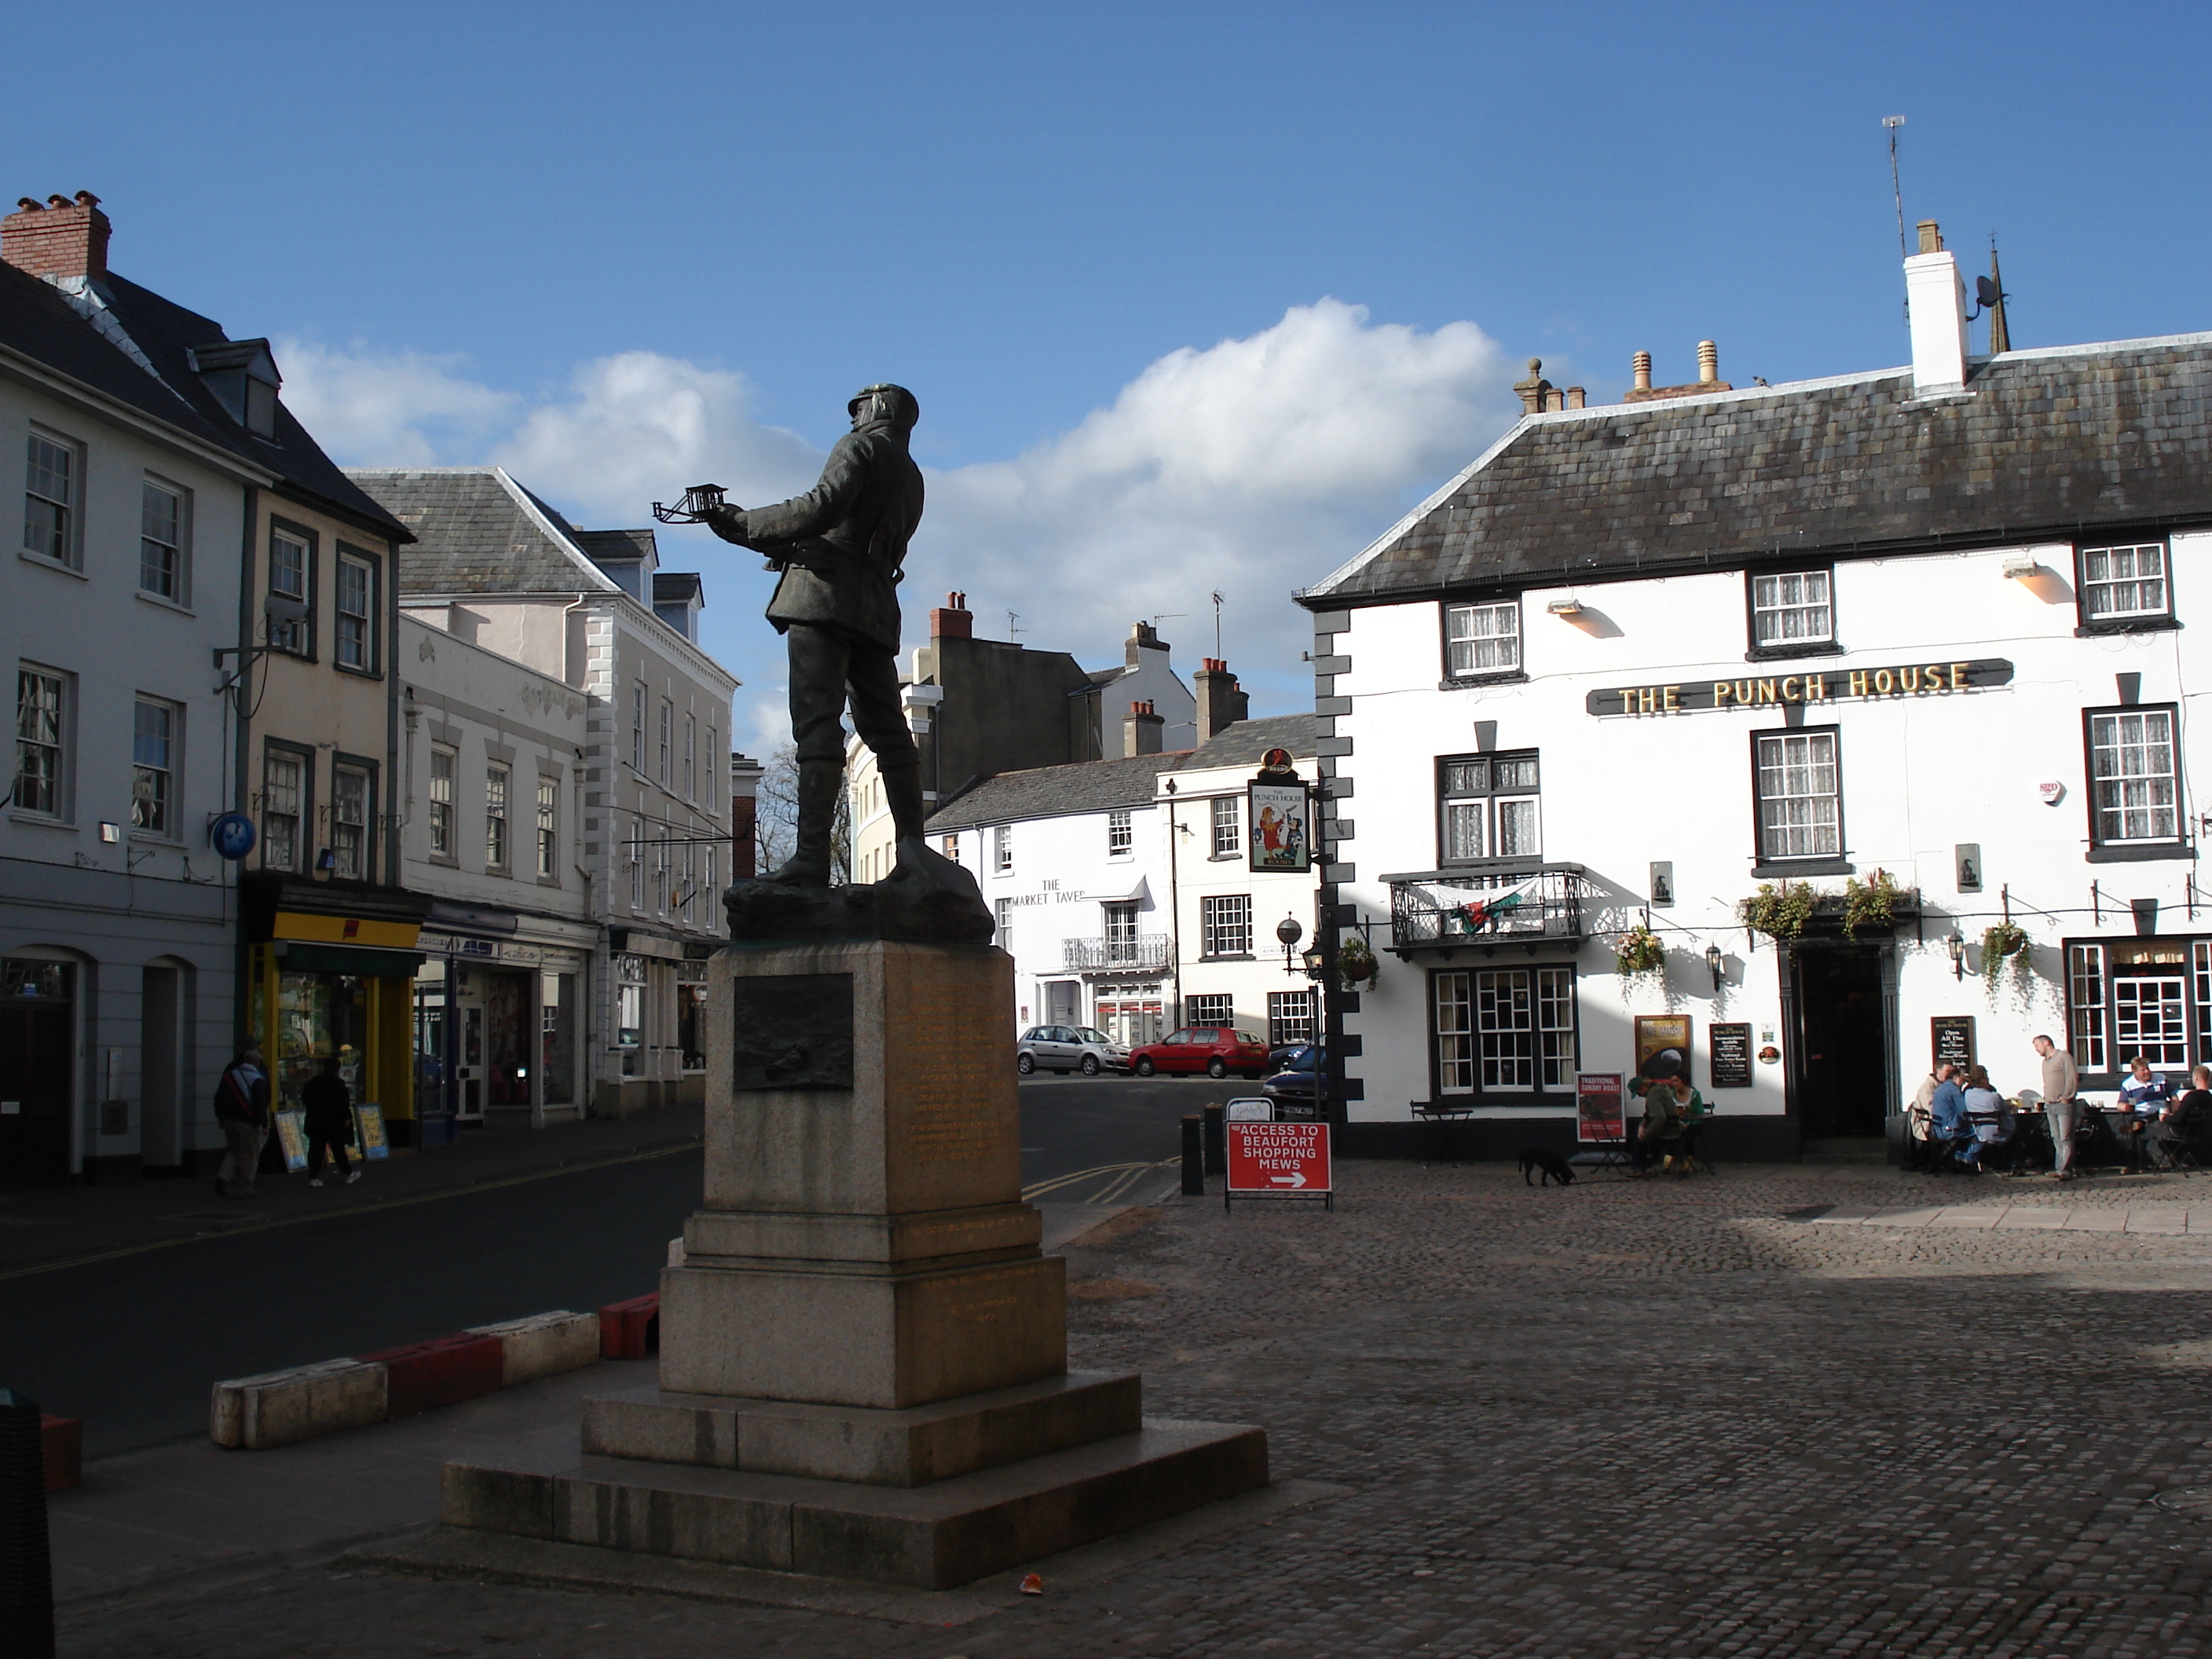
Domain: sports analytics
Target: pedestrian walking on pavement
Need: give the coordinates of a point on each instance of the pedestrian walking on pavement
(329, 1105)
(241, 1107)
(2060, 1078)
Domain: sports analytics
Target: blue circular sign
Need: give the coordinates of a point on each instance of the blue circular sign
(232, 835)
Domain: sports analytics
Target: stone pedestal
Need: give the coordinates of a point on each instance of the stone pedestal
(863, 1310)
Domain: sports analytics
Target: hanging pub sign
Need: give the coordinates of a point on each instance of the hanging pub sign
(1278, 835)
(1828, 686)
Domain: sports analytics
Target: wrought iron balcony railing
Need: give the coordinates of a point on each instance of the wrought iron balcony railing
(1485, 905)
(1136, 953)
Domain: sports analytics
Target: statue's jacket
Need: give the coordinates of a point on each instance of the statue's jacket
(851, 530)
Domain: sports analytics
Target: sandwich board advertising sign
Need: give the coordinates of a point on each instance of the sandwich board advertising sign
(1278, 1161)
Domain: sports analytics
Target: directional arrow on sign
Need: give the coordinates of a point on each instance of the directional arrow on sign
(1298, 1180)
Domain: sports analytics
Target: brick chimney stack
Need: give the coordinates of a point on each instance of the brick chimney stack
(1140, 730)
(64, 238)
(1221, 702)
(952, 620)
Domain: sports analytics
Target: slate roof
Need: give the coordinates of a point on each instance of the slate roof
(2052, 443)
(38, 320)
(478, 532)
(1246, 742)
(618, 544)
(1051, 792)
(1100, 785)
(674, 586)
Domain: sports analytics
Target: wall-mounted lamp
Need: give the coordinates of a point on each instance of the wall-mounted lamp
(2022, 566)
(1290, 933)
(1957, 947)
(1714, 963)
(1565, 607)
(1316, 960)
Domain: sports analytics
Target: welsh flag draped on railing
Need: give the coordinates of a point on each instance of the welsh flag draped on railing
(1494, 907)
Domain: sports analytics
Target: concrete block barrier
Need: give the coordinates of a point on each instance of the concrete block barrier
(631, 1329)
(443, 1371)
(64, 1447)
(543, 1344)
(280, 1407)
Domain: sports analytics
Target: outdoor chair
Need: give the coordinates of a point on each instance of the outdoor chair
(1440, 1116)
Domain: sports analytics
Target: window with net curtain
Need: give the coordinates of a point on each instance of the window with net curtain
(1489, 807)
(2134, 785)
(1800, 800)
(2119, 583)
(1482, 639)
(1792, 608)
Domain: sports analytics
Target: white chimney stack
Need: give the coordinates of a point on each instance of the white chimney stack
(1936, 302)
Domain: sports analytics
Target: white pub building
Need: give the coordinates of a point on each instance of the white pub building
(1639, 662)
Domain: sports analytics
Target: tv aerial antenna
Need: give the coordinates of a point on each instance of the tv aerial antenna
(1217, 627)
(1891, 123)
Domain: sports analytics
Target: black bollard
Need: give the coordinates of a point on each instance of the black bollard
(1193, 1157)
(1217, 1140)
(26, 1575)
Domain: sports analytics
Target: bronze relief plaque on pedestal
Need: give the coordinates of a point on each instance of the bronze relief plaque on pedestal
(794, 1031)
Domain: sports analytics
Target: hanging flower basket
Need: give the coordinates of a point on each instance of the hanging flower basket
(1638, 952)
(1999, 942)
(1356, 963)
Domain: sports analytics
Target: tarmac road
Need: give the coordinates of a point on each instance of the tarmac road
(131, 1345)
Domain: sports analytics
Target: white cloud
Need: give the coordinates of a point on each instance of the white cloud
(1252, 467)
(389, 409)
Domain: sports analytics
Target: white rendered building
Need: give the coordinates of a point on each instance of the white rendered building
(1123, 892)
(1640, 661)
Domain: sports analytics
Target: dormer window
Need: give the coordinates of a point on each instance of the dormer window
(243, 376)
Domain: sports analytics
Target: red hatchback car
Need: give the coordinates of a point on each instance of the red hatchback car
(1213, 1050)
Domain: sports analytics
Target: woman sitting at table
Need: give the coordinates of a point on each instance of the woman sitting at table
(1991, 1117)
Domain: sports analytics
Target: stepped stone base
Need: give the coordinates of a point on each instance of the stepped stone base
(910, 1448)
(932, 1537)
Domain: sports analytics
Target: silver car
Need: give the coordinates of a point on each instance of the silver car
(1064, 1048)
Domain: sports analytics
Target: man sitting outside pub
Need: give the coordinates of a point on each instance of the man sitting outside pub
(2144, 1098)
(1950, 1131)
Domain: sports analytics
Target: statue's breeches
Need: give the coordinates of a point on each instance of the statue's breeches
(827, 667)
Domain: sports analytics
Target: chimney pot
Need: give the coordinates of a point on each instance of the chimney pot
(57, 201)
(1642, 362)
(1931, 238)
(29, 204)
(1709, 362)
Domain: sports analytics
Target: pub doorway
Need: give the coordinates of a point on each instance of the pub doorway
(1842, 1016)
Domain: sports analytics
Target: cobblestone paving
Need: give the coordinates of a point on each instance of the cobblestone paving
(1656, 1418)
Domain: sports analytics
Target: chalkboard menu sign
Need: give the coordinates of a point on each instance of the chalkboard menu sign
(1731, 1055)
(1952, 1038)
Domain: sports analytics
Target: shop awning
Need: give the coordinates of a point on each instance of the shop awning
(300, 958)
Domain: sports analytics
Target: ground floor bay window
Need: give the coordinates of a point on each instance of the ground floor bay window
(1503, 1032)
(2151, 997)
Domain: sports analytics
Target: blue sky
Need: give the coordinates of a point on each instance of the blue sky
(619, 247)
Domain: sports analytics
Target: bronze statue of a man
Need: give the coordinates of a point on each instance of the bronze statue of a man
(838, 547)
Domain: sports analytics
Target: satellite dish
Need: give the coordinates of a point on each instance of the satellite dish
(1987, 296)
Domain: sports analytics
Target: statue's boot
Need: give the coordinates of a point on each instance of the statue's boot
(809, 863)
(903, 795)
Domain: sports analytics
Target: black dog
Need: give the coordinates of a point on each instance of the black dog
(1553, 1166)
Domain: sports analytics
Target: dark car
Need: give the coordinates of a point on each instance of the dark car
(1300, 1089)
(1216, 1050)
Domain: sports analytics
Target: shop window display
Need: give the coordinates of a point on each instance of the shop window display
(319, 1015)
